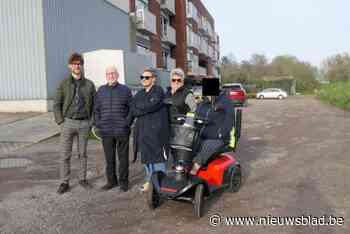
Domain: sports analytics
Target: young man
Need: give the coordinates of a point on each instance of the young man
(110, 112)
(152, 127)
(73, 107)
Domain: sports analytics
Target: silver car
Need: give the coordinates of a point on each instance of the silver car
(272, 93)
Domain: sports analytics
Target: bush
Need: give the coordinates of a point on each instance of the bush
(337, 94)
(251, 95)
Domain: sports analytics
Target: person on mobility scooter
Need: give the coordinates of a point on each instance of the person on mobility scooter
(201, 145)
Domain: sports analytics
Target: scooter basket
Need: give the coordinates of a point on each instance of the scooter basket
(183, 136)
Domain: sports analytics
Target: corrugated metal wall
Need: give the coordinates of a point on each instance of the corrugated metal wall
(22, 62)
(81, 26)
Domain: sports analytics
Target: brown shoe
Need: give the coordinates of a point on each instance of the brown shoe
(195, 169)
(109, 186)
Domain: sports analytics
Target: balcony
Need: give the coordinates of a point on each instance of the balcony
(215, 57)
(203, 25)
(169, 35)
(145, 21)
(202, 71)
(203, 48)
(191, 11)
(192, 66)
(211, 52)
(168, 6)
(192, 39)
(170, 64)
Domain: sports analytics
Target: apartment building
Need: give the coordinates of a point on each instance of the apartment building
(177, 33)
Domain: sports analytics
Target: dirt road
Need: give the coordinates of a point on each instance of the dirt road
(295, 159)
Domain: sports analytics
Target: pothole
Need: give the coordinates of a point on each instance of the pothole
(14, 162)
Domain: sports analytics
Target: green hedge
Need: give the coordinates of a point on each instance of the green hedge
(337, 94)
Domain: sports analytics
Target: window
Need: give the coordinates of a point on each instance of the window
(190, 59)
(141, 4)
(164, 22)
(165, 57)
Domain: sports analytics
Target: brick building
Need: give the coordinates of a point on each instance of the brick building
(177, 33)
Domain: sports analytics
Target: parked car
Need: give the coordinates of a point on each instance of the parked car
(272, 93)
(236, 93)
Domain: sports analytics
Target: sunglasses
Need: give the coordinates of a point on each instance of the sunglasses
(176, 80)
(145, 77)
(75, 64)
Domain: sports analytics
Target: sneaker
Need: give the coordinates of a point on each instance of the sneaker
(145, 187)
(64, 187)
(109, 186)
(84, 184)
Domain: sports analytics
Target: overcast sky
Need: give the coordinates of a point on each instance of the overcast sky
(308, 29)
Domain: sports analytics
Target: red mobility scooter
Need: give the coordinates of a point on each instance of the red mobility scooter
(222, 171)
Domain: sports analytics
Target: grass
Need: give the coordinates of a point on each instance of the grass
(337, 94)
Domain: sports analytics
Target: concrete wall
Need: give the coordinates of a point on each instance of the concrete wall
(80, 26)
(22, 60)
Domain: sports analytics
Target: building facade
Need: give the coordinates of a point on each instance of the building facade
(177, 33)
(37, 36)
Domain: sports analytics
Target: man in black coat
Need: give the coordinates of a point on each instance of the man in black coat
(151, 127)
(111, 111)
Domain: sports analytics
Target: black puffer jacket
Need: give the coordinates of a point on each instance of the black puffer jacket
(112, 104)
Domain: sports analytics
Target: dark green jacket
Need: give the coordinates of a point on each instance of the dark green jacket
(65, 95)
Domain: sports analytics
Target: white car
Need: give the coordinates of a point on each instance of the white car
(272, 93)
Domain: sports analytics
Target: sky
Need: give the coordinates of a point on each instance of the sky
(311, 30)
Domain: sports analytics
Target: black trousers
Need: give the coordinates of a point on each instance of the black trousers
(110, 145)
(207, 148)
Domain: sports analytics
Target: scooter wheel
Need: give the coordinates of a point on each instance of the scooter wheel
(153, 198)
(198, 201)
(235, 180)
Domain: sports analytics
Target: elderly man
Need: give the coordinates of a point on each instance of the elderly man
(73, 108)
(182, 99)
(111, 111)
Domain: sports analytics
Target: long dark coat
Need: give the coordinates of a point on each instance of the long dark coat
(151, 131)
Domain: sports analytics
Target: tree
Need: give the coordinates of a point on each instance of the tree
(259, 66)
(337, 67)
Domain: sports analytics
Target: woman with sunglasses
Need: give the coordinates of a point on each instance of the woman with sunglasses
(151, 127)
(182, 99)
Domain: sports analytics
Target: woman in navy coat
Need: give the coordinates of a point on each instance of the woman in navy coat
(151, 131)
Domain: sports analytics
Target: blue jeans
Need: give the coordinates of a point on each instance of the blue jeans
(153, 167)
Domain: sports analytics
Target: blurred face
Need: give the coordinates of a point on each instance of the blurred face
(147, 79)
(75, 67)
(176, 82)
(112, 76)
